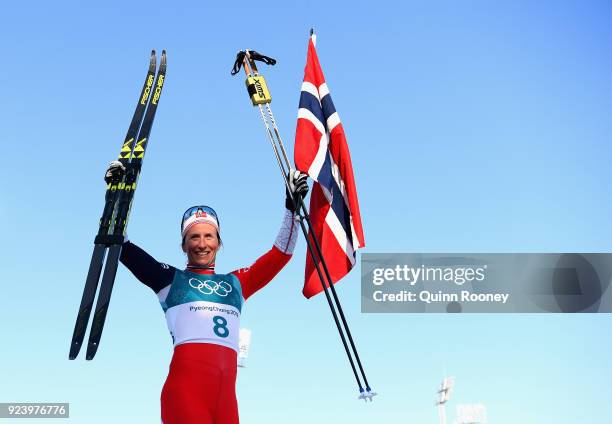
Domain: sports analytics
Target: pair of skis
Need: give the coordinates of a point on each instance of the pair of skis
(118, 201)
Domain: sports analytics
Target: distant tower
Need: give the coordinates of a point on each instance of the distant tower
(471, 414)
(443, 396)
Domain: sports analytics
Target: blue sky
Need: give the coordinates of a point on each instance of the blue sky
(474, 127)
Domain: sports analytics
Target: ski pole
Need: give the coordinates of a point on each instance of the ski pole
(260, 96)
(306, 215)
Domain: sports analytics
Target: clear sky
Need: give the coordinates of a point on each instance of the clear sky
(474, 126)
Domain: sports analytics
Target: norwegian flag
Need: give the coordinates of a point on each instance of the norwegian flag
(321, 151)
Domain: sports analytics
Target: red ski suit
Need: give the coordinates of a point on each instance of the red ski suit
(200, 387)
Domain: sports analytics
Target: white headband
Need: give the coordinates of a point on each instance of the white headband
(199, 218)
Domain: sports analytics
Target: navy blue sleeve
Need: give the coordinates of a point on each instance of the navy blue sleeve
(145, 268)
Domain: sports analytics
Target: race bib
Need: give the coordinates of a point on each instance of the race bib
(204, 322)
(204, 309)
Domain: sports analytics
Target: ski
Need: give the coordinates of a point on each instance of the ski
(103, 240)
(123, 207)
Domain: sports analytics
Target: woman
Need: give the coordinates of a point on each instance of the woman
(203, 309)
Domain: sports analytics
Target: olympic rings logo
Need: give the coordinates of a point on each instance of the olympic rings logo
(209, 287)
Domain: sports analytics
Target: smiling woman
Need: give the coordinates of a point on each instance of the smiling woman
(203, 310)
(201, 245)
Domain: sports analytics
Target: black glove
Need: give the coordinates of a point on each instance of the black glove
(115, 172)
(298, 183)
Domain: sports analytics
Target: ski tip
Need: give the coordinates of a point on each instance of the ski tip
(153, 62)
(163, 58)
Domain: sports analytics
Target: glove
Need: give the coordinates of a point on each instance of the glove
(115, 172)
(298, 183)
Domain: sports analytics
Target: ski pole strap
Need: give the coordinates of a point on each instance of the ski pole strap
(262, 58)
(253, 56)
(238, 62)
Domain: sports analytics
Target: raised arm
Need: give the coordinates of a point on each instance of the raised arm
(145, 268)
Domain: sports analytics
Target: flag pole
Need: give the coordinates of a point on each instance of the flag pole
(247, 60)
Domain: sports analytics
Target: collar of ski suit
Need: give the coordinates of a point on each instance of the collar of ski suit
(201, 270)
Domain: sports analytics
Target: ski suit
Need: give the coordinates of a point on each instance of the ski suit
(203, 315)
